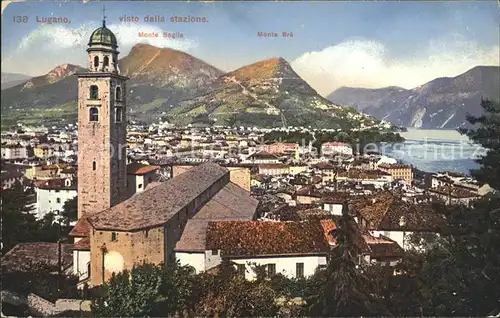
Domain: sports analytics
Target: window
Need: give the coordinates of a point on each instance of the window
(113, 236)
(146, 233)
(94, 92)
(106, 61)
(88, 269)
(118, 93)
(96, 61)
(93, 114)
(140, 186)
(58, 200)
(118, 114)
(94, 165)
(271, 270)
(215, 252)
(299, 270)
(240, 268)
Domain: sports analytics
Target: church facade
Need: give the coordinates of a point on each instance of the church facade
(118, 228)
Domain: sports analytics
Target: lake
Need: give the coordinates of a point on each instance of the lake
(435, 150)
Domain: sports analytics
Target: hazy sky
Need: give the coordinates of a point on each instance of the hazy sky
(365, 44)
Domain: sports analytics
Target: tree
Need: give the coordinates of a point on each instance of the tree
(230, 295)
(487, 134)
(458, 275)
(70, 210)
(18, 224)
(42, 280)
(146, 290)
(342, 289)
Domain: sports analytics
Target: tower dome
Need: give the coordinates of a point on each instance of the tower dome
(103, 36)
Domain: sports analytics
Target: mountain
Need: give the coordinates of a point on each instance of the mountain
(266, 93)
(440, 103)
(172, 84)
(158, 78)
(13, 79)
(161, 77)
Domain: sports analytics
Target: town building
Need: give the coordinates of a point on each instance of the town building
(52, 194)
(398, 171)
(13, 152)
(336, 148)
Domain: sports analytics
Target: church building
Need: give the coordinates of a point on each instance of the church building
(117, 227)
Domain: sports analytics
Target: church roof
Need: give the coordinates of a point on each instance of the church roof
(156, 206)
(231, 203)
(103, 35)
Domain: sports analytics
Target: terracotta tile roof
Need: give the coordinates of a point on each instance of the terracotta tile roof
(325, 166)
(251, 238)
(310, 192)
(336, 198)
(329, 226)
(157, 205)
(81, 228)
(454, 192)
(263, 155)
(230, 203)
(385, 211)
(274, 166)
(393, 166)
(383, 247)
(23, 255)
(55, 184)
(140, 169)
(83, 244)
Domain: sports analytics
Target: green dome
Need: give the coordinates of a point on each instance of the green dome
(104, 36)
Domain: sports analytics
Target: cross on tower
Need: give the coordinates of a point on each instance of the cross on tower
(103, 15)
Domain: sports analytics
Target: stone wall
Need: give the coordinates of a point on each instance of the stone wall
(44, 307)
(128, 249)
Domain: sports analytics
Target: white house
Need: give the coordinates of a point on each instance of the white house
(140, 175)
(331, 148)
(12, 152)
(52, 194)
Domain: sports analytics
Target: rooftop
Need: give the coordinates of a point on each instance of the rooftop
(253, 238)
(156, 206)
(140, 169)
(22, 256)
(230, 203)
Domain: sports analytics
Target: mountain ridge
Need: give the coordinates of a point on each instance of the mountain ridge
(441, 103)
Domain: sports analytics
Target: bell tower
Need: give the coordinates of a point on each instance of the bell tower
(102, 158)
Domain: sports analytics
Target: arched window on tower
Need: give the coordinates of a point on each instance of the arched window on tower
(94, 92)
(93, 114)
(94, 165)
(118, 114)
(105, 62)
(96, 61)
(118, 93)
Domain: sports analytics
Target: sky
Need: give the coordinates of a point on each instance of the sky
(361, 44)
